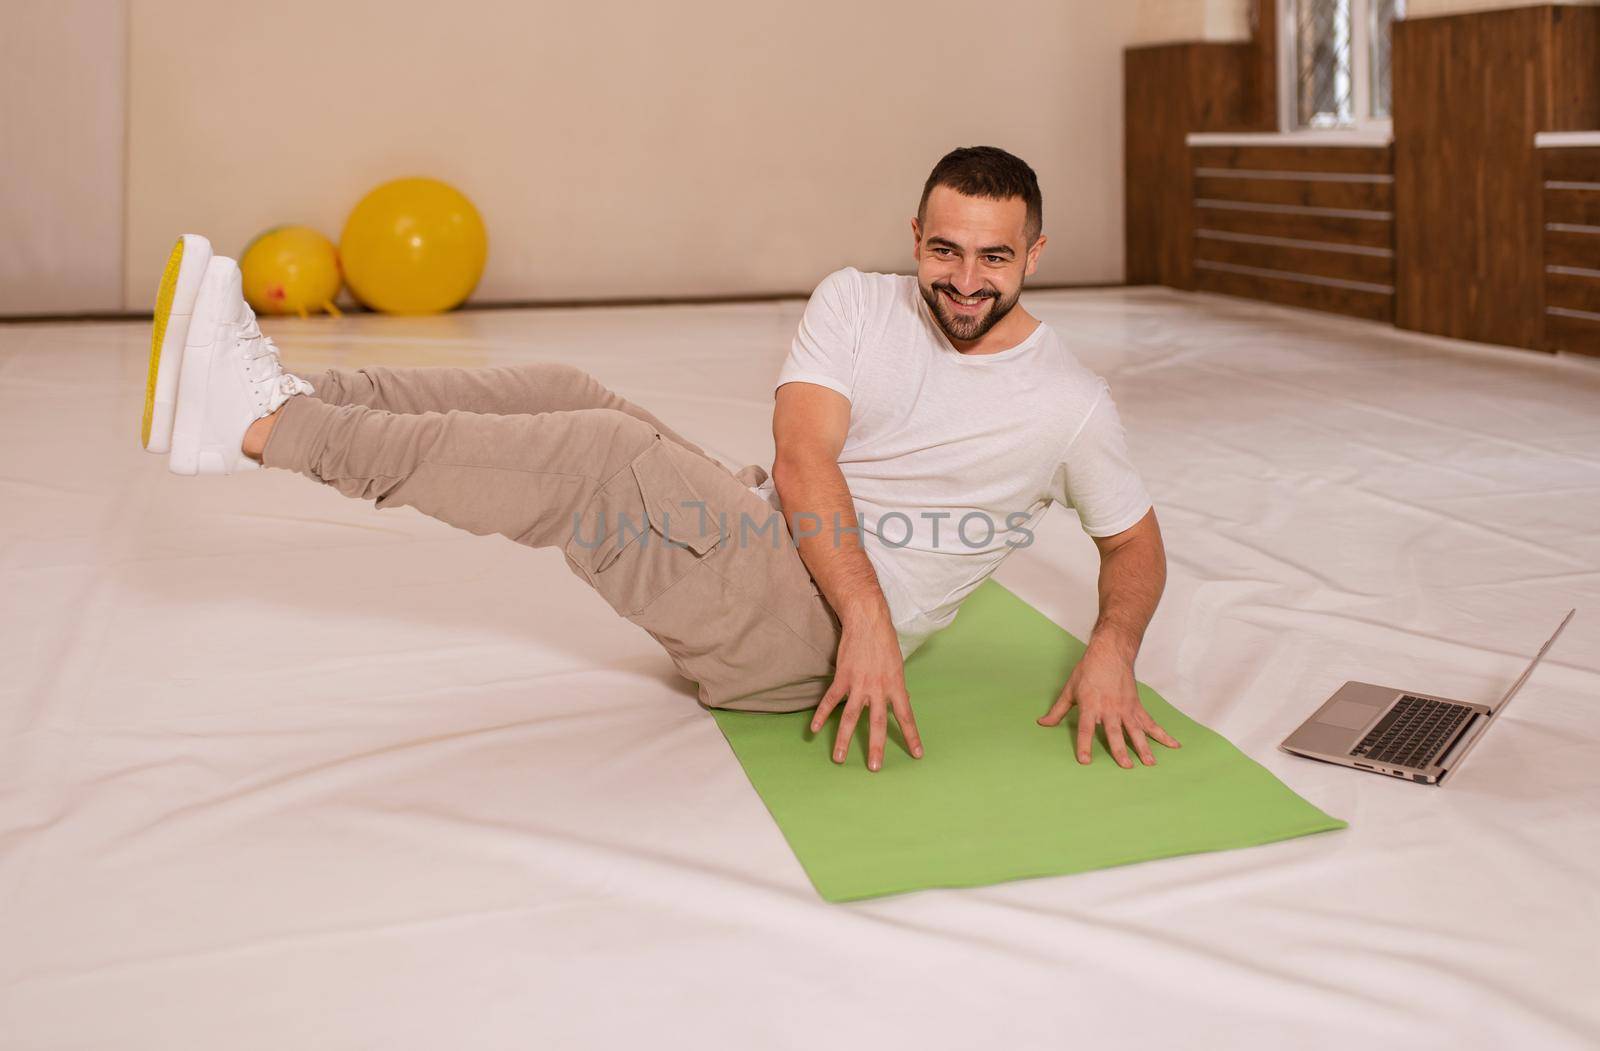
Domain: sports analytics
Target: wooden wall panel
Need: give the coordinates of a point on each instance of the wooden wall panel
(1572, 163)
(1168, 92)
(1571, 249)
(1570, 206)
(1470, 93)
(1314, 260)
(1468, 98)
(1374, 161)
(1372, 233)
(1448, 235)
(1567, 292)
(1576, 335)
(1304, 225)
(1156, 195)
(1285, 188)
(1218, 95)
(1572, 76)
(1576, 248)
(1263, 72)
(1277, 289)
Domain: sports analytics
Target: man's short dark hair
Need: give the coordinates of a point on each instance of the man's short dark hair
(990, 172)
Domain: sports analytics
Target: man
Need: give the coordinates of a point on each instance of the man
(922, 427)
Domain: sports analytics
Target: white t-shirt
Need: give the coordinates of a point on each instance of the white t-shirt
(952, 458)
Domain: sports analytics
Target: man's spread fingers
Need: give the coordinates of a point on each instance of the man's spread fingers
(1154, 729)
(1160, 735)
(908, 726)
(1140, 745)
(825, 706)
(1119, 751)
(847, 729)
(877, 732)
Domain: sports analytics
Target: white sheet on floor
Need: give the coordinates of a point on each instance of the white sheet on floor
(281, 771)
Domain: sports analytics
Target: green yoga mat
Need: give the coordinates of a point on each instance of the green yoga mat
(996, 796)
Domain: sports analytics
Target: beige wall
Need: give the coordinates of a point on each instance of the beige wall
(61, 125)
(1430, 8)
(1177, 21)
(717, 146)
(1173, 21)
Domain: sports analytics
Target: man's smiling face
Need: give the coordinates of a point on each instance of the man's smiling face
(972, 255)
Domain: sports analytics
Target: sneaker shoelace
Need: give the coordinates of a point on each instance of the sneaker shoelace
(258, 347)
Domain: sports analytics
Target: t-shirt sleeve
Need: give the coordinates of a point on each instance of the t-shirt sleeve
(824, 348)
(1096, 476)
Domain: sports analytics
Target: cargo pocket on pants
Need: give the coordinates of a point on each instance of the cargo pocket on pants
(644, 529)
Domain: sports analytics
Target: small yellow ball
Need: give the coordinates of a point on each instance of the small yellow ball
(289, 270)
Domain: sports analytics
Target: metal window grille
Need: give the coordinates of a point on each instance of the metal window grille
(1339, 55)
(1384, 12)
(1324, 95)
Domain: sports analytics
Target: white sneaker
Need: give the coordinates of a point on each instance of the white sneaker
(180, 284)
(231, 377)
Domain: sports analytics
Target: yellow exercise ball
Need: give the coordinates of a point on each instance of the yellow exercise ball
(413, 246)
(290, 270)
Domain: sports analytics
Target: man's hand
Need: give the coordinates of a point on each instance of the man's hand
(1102, 687)
(870, 672)
(1133, 571)
(809, 425)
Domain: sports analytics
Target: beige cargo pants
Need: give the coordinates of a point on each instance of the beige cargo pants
(544, 455)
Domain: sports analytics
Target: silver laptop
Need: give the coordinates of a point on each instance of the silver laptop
(1401, 733)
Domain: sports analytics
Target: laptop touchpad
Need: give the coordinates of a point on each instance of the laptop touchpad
(1349, 715)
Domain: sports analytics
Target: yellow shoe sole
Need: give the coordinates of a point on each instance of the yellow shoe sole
(175, 299)
(158, 336)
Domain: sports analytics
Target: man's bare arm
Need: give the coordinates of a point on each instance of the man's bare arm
(1133, 573)
(809, 424)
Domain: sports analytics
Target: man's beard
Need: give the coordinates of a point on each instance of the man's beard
(966, 329)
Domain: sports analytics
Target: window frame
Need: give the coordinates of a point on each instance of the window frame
(1363, 27)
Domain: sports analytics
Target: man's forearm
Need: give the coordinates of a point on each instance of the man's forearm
(821, 516)
(1132, 578)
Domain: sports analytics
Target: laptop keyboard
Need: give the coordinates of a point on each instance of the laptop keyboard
(1414, 732)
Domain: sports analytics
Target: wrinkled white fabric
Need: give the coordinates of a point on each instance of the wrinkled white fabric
(278, 770)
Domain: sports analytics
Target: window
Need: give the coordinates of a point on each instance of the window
(1334, 62)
